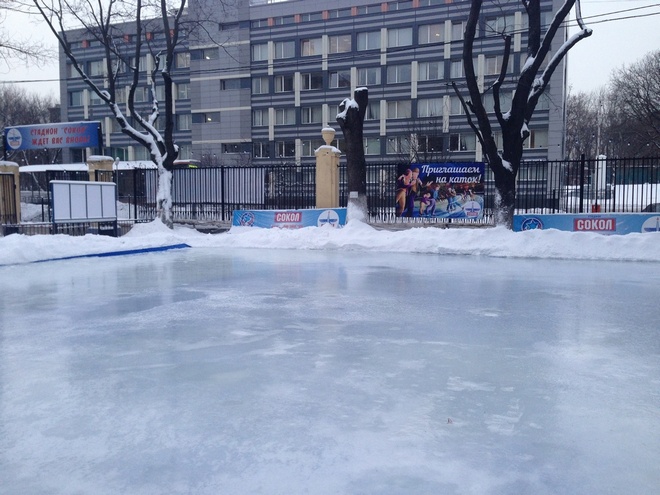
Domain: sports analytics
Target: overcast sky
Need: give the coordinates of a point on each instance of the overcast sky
(624, 31)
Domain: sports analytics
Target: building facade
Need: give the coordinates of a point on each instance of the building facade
(259, 87)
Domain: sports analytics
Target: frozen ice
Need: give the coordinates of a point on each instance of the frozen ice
(249, 371)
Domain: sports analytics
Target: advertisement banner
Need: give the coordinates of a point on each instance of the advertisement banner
(441, 190)
(290, 219)
(602, 223)
(59, 135)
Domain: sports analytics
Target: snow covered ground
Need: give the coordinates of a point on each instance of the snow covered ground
(322, 361)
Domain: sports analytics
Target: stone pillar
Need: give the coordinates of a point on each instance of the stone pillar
(11, 168)
(327, 172)
(98, 162)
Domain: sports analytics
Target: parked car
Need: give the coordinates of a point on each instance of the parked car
(652, 208)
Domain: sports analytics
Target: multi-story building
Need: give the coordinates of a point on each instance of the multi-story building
(261, 88)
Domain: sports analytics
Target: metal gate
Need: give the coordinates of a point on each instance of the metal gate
(7, 200)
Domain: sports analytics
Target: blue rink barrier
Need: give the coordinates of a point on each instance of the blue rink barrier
(602, 223)
(118, 253)
(289, 219)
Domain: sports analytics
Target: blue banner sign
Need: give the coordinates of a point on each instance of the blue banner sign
(59, 135)
(602, 223)
(441, 190)
(289, 219)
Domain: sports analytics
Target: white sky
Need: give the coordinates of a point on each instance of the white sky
(355, 236)
(613, 44)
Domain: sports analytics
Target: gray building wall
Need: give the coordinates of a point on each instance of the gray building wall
(222, 71)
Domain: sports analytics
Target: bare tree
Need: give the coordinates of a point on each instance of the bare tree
(120, 27)
(13, 48)
(635, 93)
(582, 125)
(530, 85)
(18, 107)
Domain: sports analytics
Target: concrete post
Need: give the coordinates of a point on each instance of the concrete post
(327, 172)
(98, 162)
(11, 168)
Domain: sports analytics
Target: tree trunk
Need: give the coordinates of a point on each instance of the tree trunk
(164, 197)
(351, 121)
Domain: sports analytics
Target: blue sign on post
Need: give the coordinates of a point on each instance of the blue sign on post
(290, 219)
(59, 135)
(602, 223)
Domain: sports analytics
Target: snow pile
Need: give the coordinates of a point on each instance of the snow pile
(355, 236)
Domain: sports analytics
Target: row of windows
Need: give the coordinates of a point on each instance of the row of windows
(376, 8)
(399, 109)
(367, 40)
(373, 76)
(142, 94)
(394, 145)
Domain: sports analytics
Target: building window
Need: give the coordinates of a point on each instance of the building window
(261, 150)
(94, 99)
(431, 71)
(456, 71)
(399, 37)
(184, 122)
(160, 93)
(372, 146)
(309, 47)
(455, 106)
(373, 111)
(340, 79)
(400, 5)
(260, 52)
(183, 91)
(398, 145)
(496, 26)
(260, 85)
(340, 43)
(285, 148)
(369, 76)
(231, 147)
(206, 118)
(76, 99)
(398, 73)
(457, 28)
(311, 80)
(314, 16)
(260, 117)
(311, 115)
(205, 54)
(284, 20)
(429, 107)
(430, 144)
(461, 142)
(369, 40)
(537, 139)
(285, 116)
(309, 147)
(494, 65)
(182, 60)
(399, 109)
(229, 84)
(283, 83)
(339, 13)
(285, 49)
(369, 9)
(95, 68)
(431, 33)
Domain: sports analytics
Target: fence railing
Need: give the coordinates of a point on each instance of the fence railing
(212, 194)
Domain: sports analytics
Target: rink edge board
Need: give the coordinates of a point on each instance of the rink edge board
(118, 253)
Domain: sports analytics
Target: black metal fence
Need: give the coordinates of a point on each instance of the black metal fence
(212, 194)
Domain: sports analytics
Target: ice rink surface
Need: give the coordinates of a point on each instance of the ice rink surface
(209, 371)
